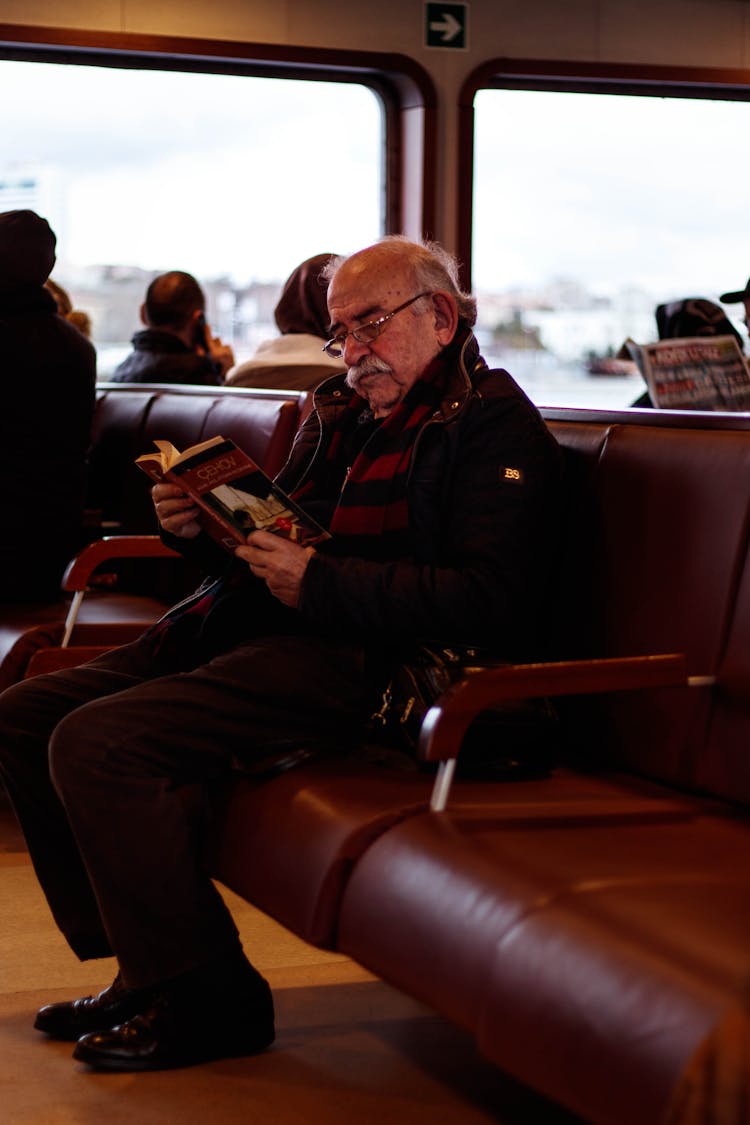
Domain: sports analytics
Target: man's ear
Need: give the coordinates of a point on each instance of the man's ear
(446, 316)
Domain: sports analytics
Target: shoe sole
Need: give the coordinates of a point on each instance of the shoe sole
(101, 1061)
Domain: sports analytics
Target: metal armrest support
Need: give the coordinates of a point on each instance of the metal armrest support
(446, 723)
(89, 558)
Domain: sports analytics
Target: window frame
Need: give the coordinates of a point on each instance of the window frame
(405, 90)
(710, 84)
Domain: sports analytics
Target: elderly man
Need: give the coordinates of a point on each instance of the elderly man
(436, 478)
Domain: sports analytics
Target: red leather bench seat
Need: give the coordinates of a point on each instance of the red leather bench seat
(106, 618)
(590, 952)
(643, 976)
(127, 420)
(288, 845)
(672, 508)
(591, 929)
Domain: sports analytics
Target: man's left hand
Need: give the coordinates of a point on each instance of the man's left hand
(279, 562)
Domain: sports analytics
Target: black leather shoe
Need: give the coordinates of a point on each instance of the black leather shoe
(70, 1019)
(168, 1034)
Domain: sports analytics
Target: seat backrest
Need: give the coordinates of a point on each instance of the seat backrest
(723, 764)
(660, 539)
(129, 418)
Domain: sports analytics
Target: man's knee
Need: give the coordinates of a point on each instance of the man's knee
(14, 698)
(74, 746)
(22, 716)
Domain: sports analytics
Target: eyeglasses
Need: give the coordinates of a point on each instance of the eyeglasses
(366, 333)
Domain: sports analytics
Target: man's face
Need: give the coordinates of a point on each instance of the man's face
(366, 287)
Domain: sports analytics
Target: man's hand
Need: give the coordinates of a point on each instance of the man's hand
(279, 562)
(175, 511)
(221, 354)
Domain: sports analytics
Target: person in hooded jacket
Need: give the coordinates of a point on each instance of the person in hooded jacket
(49, 376)
(295, 360)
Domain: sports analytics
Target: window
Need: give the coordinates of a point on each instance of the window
(590, 209)
(231, 177)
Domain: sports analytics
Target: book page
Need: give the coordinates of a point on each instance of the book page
(169, 455)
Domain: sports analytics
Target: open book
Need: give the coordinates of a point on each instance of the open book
(695, 373)
(234, 494)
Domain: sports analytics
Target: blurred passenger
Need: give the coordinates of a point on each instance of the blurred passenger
(295, 360)
(691, 316)
(694, 316)
(737, 296)
(176, 345)
(49, 374)
(77, 317)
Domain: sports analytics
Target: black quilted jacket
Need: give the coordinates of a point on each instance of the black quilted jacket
(483, 496)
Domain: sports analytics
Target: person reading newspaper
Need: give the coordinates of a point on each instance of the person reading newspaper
(692, 372)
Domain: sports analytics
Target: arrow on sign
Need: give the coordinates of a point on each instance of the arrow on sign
(449, 26)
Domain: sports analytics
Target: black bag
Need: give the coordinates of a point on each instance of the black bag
(517, 739)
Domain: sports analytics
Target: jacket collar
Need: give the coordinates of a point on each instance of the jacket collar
(461, 362)
(155, 340)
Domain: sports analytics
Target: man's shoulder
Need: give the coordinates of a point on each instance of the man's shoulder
(474, 377)
(502, 411)
(496, 386)
(153, 362)
(158, 342)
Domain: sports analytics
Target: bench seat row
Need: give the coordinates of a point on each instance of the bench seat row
(591, 928)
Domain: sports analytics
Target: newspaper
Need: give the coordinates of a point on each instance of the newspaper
(696, 373)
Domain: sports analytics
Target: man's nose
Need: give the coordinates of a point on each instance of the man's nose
(353, 351)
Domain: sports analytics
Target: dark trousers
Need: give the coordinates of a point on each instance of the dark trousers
(107, 767)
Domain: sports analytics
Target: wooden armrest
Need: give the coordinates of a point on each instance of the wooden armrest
(447, 721)
(80, 569)
(87, 560)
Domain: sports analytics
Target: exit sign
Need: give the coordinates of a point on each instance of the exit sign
(447, 25)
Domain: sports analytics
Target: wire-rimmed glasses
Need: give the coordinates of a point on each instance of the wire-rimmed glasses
(366, 333)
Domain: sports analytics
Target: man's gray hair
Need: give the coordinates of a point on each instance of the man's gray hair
(433, 268)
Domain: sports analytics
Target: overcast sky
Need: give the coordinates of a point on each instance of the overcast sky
(210, 173)
(228, 175)
(614, 190)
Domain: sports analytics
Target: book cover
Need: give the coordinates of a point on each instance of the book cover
(694, 373)
(234, 494)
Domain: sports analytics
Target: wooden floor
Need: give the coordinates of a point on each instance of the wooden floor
(349, 1049)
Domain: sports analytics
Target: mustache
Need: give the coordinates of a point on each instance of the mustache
(368, 365)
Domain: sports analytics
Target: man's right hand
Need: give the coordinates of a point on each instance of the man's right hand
(175, 511)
